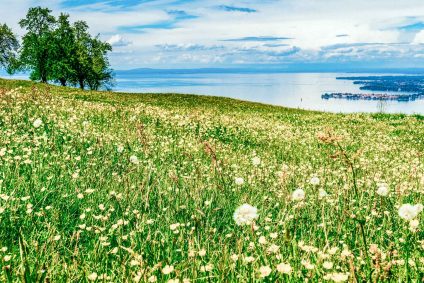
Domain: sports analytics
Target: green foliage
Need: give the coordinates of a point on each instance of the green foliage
(8, 48)
(64, 51)
(81, 64)
(37, 45)
(91, 64)
(100, 73)
(56, 50)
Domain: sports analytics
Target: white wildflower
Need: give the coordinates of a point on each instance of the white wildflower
(322, 193)
(167, 269)
(327, 265)
(383, 190)
(92, 276)
(239, 181)
(409, 212)
(234, 257)
(256, 161)
(37, 123)
(134, 159)
(264, 271)
(284, 268)
(314, 181)
(298, 195)
(245, 214)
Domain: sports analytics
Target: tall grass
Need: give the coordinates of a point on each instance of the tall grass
(118, 187)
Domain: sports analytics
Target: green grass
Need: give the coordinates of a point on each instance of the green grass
(73, 207)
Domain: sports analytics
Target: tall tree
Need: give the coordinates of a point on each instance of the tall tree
(8, 48)
(91, 66)
(100, 73)
(38, 44)
(81, 64)
(63, 51)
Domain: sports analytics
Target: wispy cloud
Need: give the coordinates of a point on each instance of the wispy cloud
(237, 9)
(413, 27)
(188, 47)
(275, 44)
(181, 15)
(175, 17)
(187, 33)
(115, 3)
(258, 38)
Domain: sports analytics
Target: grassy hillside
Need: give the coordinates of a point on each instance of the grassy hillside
(110, 187)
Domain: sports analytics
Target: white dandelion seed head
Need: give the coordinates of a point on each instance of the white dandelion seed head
(239, 181)
(264, 271)
(409, 212)
(37, 123)
(245, 214)
(314, 181)
(256, 161)
(322, 193)
(298, 195)
(383, 190)
(327, 265)
(284, 268)
(337, 277)
(134, 159)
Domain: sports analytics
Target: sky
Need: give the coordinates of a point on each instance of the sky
(247, 33)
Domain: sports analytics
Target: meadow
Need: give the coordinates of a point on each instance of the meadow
(115, 187)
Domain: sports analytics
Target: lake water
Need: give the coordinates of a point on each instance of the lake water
(296, 90)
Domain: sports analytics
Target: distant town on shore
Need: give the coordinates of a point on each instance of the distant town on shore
(398, 88)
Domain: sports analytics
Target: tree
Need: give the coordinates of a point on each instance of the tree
(81, 64)
(8, 47)
(56, 50)
(38, 44)
(63, 51)
(100, 73)
(91, 66)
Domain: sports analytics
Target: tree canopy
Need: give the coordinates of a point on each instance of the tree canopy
(54, 49)
(37, 43)
(8, 47)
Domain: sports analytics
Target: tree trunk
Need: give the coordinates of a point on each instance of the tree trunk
(62, 82)
(81, 83)
(43, 79)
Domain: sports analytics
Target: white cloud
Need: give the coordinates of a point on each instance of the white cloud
(118, 41)
(419, 38)
(312, 24)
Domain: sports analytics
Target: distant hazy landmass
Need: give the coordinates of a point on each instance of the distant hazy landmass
(265, 69)
(270, 69)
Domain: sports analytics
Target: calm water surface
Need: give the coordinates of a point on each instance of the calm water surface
(291, 90)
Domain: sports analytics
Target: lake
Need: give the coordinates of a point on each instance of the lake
(297, 90)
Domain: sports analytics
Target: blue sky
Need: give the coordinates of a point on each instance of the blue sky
(218, 33)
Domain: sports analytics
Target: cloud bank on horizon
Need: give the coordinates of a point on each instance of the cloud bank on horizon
(218, 33)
